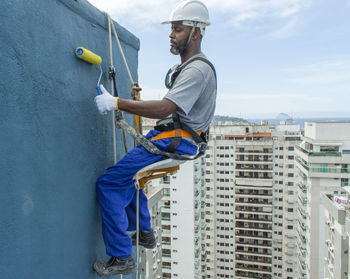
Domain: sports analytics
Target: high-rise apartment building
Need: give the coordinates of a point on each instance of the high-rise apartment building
(337, 229)
(183, 222)
(322, 161)
(182, 216)
(251, 201)
(151, 259)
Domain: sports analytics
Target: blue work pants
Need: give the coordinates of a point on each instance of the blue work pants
(116, 194)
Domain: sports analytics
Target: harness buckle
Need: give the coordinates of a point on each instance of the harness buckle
(111, 72)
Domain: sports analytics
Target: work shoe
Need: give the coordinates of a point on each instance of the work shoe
(115, 266)
(146, 239)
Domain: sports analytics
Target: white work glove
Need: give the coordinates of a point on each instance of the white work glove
(105, 102)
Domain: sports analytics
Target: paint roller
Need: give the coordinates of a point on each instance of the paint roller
(92, 58)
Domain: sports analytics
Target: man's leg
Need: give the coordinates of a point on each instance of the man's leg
(116, 189)
(145, 218)
(146, 235)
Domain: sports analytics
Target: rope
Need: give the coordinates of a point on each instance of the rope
(113, 93)
(121, 50)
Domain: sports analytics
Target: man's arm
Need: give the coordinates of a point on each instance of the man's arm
(150, 109)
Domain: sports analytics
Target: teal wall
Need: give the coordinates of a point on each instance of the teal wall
(53, 142)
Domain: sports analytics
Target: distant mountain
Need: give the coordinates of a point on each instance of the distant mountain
(283, 116)
(234, 120)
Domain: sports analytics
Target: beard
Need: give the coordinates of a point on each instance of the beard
(179, 47)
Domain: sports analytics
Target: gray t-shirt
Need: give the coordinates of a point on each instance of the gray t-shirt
(194, 92)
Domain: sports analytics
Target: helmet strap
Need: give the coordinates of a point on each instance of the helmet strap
(190, 36)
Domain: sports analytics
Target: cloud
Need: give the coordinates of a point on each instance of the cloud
(261, 8)
(288, 30)
(142, 13)
(331, 72)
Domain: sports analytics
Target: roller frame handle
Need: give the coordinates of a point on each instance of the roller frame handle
(99, 92)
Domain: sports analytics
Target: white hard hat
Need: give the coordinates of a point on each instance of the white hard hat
(192, 13)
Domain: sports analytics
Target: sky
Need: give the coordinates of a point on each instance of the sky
(271, 56)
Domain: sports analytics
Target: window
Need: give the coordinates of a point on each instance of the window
(324, 168)
(329, 148)
(344, 182)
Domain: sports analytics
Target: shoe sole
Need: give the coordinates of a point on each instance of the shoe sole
(144, 246)
(123, 272)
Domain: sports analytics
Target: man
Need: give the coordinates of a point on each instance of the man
(191, 99)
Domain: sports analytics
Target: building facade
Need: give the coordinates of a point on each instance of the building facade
(181, 213)
(322, 161)
(336, 245)
(251, 201)
(183, 222)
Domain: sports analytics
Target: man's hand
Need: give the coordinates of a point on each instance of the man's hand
(105, 102)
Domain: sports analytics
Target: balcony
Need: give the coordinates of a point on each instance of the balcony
(253, 226)
(302, 226)
(302, 252)
(322, 154)
(302, 213)
(253, 192)
(252, 267)
(256, 259)
(301, 262)
(263, 243)
(258, 218)
(255, 209)
(302, 187)
(253, 251)
(255, 201)
(253, 234)
(251, 158)
(303, 201)
(247, 274)
(261, 151)
(166, 254)
(302, 239)
(259, 167)
(253, 175)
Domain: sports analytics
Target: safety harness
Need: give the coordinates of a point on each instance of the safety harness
(178, 128)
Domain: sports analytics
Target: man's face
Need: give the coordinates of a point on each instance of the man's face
(178, 38)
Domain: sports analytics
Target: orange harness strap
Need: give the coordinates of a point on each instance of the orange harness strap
(174, 133)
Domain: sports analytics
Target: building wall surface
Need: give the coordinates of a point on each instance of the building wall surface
(251, 192)
(54, 143)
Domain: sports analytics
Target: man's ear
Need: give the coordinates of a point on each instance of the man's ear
(196, 34)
